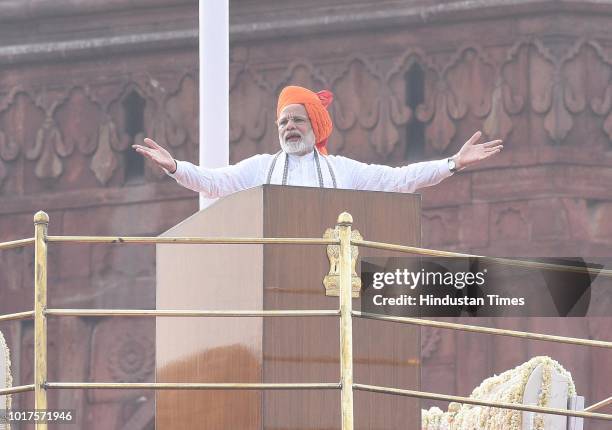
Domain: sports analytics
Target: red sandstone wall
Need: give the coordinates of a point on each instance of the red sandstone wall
(535, 75)
(63, 145)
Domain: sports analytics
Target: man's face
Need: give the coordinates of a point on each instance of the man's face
(295, 132)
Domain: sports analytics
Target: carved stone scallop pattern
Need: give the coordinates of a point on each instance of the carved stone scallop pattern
(442, 106)
(364, 109)
(78, 118)
(465, 84)
(21, 122)
(182, 112)
(497, 124)
(304, 73)
(116, 111)
(547, 90)
(86, 126)
(598, 75)
(252, 118)
(48, 145)
(104, 161)
(9, 148)
(396, 80)
(471, 74)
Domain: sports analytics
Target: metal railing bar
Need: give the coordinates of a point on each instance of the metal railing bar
(498, 260)
(41, 224)
(470, 401)
(17, 316)
(190, 313)
(344, 226)
(345, 313)
(318, 359)
(486, 330)
(195, 240)
(17, 243)
(17, 389)
(191, 386)
(599, 405)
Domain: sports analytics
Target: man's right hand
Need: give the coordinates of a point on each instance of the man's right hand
(157, 154)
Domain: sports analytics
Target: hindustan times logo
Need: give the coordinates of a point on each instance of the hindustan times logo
(412, 279)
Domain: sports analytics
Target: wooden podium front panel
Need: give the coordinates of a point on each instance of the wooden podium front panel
(287, 349)
(205, 349)
(307, 349)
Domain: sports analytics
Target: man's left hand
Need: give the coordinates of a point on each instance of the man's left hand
(472, 152)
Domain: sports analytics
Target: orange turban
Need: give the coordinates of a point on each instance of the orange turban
(316, 107)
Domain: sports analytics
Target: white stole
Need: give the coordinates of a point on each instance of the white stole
(279, 166)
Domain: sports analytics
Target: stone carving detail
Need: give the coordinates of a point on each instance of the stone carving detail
(368, 104)
(181, 114)
(47, 146)
(85, 126)
(78, 117)
(438, 111)
(46, 126)
(123, 351)
(556, 81)
(104, 162)
(131, 358)
(396, 79)
(169, 116)
(599, 76)
(304, 73)
(548, 92)
(470, 86)
(9, 151)
(448, 100)
(252, 120)
(9, 148)
(556, 84)
(117, 112)
(20, 118)
(498, 124)
(510, 224)
(471, 68)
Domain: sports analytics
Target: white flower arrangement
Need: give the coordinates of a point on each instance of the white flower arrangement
(508, 387)
(5, 401)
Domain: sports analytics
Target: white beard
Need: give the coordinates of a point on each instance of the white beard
(302, 146)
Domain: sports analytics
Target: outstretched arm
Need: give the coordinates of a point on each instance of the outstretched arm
(212, 183)
(412, 177)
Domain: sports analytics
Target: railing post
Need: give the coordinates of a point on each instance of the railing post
(345, 221)
(41, 222)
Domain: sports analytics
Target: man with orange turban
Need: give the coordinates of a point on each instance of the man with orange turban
(304, 125)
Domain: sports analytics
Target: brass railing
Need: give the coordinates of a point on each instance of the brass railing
(346, 385)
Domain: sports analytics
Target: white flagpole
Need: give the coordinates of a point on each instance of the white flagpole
(214, 85)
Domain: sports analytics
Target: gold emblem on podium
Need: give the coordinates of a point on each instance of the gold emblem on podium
(332, 279)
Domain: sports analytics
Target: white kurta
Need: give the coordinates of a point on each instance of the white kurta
(302, 171)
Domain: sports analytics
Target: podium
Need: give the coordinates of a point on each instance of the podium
(279, 349)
